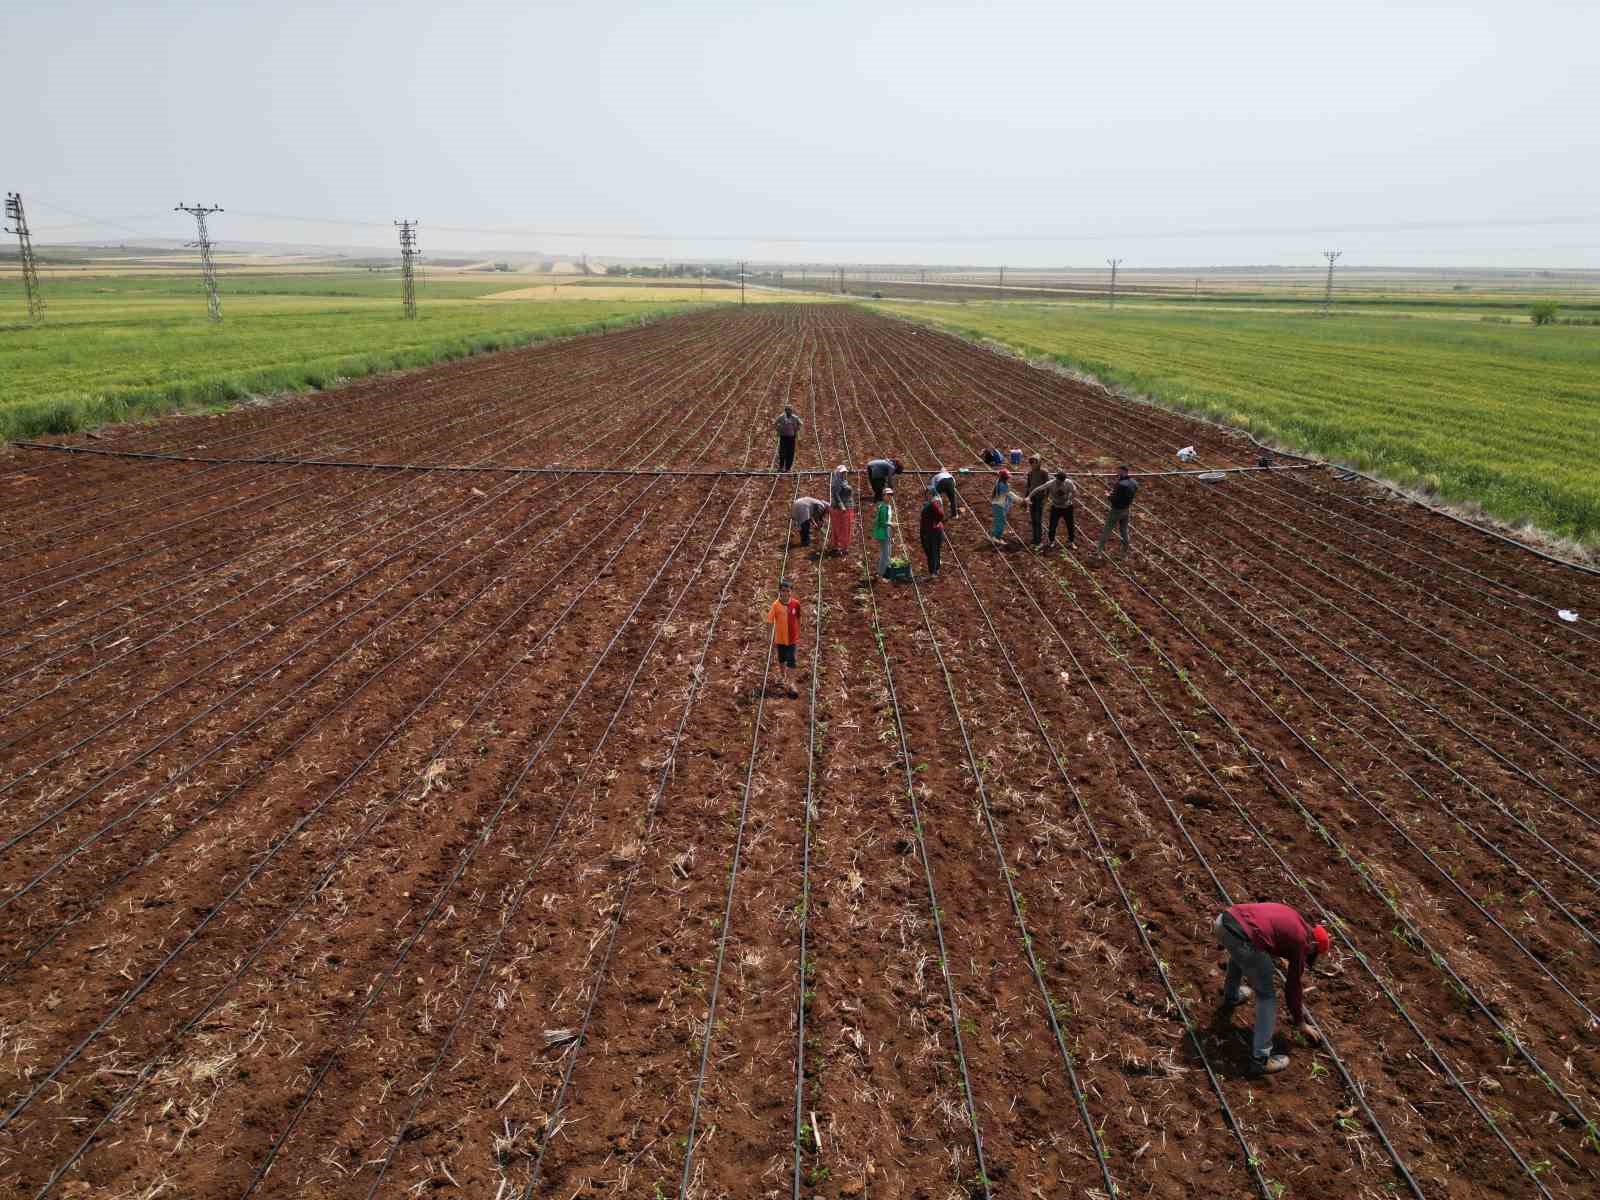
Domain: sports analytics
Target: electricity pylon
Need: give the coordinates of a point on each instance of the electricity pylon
(30, 269)
(208, 269)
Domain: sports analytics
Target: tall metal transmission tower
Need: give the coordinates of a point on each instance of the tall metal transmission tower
(208, 269)
(30, 269)
(1327, 296)
(408, 278)
(1113, 263)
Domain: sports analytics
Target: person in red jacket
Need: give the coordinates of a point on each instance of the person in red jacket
(1254, 935)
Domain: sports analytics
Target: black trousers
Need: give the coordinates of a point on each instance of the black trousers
(947, 489)
(785, 452)
(1036, 515)
(805, 533)
(932, 546)
(878, 482)
(1060, 514)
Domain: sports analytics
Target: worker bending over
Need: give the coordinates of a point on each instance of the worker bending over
(1254, 935)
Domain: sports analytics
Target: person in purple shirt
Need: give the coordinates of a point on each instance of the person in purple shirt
(1254, 935)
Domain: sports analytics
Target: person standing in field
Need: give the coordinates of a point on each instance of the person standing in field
(1031, 487)
(931, 529)
(879, 472)
(802, 515)
(1062, 495)
(1000, 502)
(1119, 501)
(882, 523)
(784, 617)
(841, 519)
(944, 484)
(839, 479)
(1254, 935)
(788, 428)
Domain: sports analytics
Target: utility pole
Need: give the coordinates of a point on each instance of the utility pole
(30, 269)
(408, 279)
(208, 269)
(741, 283)
(1113, 263)
(1002, 279)
(1327, 296)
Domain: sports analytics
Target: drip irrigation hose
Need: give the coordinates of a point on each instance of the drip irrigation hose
(697, 677)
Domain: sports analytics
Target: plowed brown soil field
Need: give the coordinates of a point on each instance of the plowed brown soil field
(451, 833)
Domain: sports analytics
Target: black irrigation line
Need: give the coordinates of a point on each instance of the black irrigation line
(1415, 933)
(804, 969)
(1497, 754)
(1350, 1083)
(958, 1042)
(1479, 741)
(1355, 791)
(1334, 679)
(1230, 1119)
(484, 506)
(431, 430)
(348, 843)
(1541, 609)
(697, 679)
(191, 646)
(373, 415)
(1333, 921)
(261, 769)
(491, 952)
(1121, 403)
(377, 989)
(1118, 417)
(378, 986)
(459, 467)
(1069, 1063)
(690, 1140)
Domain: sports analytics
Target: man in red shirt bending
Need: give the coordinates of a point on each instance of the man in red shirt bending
(1254, 935)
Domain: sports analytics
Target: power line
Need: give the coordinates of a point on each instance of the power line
(408, 280)
(208, 269)
(30, 269)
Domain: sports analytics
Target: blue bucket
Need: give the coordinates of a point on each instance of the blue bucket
(1016, 458)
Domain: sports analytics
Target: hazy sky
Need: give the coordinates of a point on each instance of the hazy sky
(1170, 134)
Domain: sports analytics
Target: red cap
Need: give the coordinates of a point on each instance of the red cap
(1004, 474)
(1320, 934)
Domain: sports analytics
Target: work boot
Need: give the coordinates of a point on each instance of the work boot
(1268, 1066)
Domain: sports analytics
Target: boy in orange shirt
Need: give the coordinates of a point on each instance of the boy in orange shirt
(784, 617)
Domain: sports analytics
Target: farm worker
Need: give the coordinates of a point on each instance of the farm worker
(932, 533)
(1062, 494)
(1036, 480)
(992, 457)
(882, 520)
(944, 484)
(879, 472)
(841, 519)
(788, 427)
(839, 479)
(784, 617)
(805, 511)
(1000, 501)
(1253, 935)
(1120, 500)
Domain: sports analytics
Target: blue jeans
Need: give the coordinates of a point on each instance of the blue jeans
(1245, 960)
(883, 557)
(999, 521)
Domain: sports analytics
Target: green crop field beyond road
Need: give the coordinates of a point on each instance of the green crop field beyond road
(113, 348)
(1507, 416)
